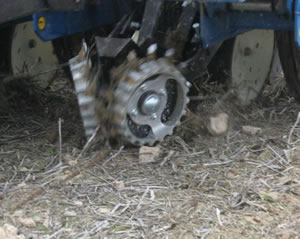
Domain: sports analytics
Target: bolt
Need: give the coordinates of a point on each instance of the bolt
(151, 49)
(196, 25)
(170, 52)
(135, 25)
(32, 43)
(154, 116)
(247, 51)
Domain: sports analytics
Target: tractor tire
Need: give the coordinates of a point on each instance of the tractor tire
(290, 61)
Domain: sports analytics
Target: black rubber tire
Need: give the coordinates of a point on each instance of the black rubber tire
(290, 61)
(4, 49)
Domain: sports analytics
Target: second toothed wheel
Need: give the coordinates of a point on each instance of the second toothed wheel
(149, 100)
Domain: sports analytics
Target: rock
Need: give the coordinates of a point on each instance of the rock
(251, 130)
(10, 232)
(78, 203)
(119, 185)
(19, 213)
(69, 160)
(286, 235)
(23, 169)
(265, 155)
(46, 222)
(218, 125)
(149, 154)
(270, 196)
(10, 229)
(230, 175)
(70, 214)
(104, 210)
(22, 185)
(27, 222)
(38, 218)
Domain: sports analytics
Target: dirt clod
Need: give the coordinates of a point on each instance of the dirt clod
(218, 125)
(149, 154)
(8, 231)
(70, 214)
(27, 222)
(251, 130)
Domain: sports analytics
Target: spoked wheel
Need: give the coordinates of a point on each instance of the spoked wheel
(290, 61)
(149, 101)
(245, 63)
(28, 53)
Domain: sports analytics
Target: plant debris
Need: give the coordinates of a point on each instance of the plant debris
(192, 185)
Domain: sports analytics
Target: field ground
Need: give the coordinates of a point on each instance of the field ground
(198, 186)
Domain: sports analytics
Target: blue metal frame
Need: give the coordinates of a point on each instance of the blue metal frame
(213, 27)
(63, 23)
(224, 26)
(297, 22)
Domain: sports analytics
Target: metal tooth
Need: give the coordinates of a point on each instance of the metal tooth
(125, 87)
(131, 56)
(81, 86)
(147, 67)
(152, 49)
(122, 97)
(76, 63)
(188, 84)
(135, 75)
(77, 76)
(118, 109)
(85, 100)
(90, 112)
(170, 52)
(90, 123)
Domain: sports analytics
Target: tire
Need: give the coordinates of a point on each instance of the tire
(290, 61)
(4, 49)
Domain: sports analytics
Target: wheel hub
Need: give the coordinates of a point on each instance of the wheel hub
(149, 103)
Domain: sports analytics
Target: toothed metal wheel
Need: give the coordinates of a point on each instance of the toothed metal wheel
(149, 102)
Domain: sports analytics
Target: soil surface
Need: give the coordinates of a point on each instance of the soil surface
(193, 185)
